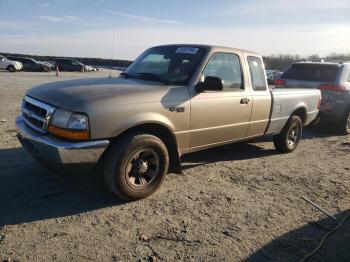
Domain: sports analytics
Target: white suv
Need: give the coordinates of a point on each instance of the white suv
(11, 66)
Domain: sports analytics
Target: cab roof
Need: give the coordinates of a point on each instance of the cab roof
(213, 47)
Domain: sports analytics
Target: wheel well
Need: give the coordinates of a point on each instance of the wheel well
(10, 66)
(301, 112)
(168, 139)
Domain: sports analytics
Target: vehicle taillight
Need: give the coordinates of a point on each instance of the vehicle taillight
(280, 83)
(319, 103)
(327, 87)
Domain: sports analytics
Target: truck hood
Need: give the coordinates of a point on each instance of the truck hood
(76, 95)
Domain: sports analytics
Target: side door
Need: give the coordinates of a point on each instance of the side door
(65, 64)
(32, 65)
(261, 97)
(26, 65)
(75, 66)
(2, 62)
(219, 117)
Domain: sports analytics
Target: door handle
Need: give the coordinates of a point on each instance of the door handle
(245, 100)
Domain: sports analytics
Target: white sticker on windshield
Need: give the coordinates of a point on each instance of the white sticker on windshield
(187, 50)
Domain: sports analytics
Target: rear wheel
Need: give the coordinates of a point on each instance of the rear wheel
(289, 138)
(344, 125)
(136, 165)
(11, 69)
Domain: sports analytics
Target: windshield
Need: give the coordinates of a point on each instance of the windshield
(168, 64)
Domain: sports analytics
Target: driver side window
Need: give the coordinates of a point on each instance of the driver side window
(227, 67)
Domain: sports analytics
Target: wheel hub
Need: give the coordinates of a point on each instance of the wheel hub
(142, 168)
(293, 136)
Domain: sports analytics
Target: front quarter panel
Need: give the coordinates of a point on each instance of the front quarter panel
(171, 109)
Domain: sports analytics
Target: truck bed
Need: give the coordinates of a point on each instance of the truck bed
(286, 101)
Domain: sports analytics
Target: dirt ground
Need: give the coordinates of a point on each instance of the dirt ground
(233, 203)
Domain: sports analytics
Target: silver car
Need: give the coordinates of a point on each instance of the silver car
(333, 79)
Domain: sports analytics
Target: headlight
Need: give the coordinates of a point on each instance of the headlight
(78, 122)
(69, 125)
(61, 118)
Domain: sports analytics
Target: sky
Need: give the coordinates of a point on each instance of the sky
(85, 28)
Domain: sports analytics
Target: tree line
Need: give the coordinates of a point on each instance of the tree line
(282, 62)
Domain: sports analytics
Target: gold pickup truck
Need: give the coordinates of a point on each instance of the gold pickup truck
(172, 100)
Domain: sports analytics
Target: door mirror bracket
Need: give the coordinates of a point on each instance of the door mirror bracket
(211, 83)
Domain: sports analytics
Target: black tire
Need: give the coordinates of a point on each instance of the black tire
(289, 138)
(11, 69)
(344, 125)
(125, 171)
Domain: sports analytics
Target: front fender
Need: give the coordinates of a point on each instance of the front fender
(144, 118)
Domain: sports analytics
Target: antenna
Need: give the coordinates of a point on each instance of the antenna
(110, 64)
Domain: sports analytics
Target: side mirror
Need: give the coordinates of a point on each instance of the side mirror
(210, 83)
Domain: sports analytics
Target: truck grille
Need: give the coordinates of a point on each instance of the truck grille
(36, 114)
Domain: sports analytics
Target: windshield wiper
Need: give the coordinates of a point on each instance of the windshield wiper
(153, 77)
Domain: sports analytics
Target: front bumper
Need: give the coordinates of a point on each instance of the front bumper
(56, 151)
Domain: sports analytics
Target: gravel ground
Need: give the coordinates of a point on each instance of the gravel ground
(233, 203)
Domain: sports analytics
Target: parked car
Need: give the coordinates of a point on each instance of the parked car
(333, 79)
(94, 68)
(171, 101)
(272, 75)
(49, 63)
(10, 65)
(90, 68)
(70, 65)
(30, 64)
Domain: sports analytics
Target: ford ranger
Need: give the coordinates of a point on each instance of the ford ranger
(172, 100)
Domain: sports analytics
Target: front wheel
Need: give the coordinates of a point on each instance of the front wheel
(136, 165)
(11, 68)
(289, 138)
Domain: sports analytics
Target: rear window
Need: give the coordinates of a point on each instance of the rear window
(307, 72)
(257, 73)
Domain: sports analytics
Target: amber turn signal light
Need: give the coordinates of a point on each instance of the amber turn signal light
(69, 134)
